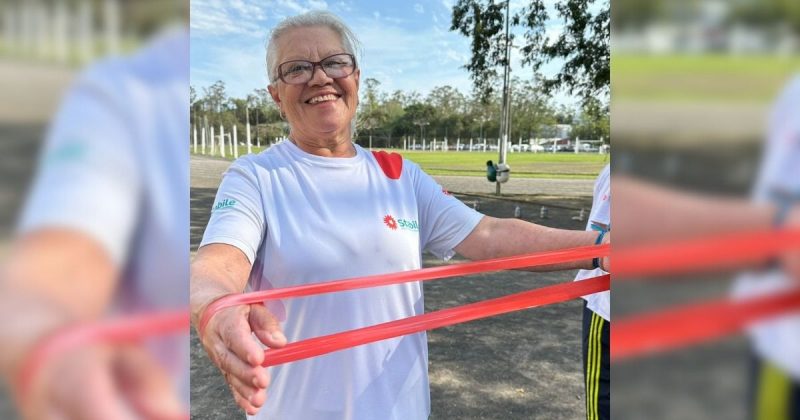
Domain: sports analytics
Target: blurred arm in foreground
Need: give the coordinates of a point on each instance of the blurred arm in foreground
(104, 232)
(647, 213)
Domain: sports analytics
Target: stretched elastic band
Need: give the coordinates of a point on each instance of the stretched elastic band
(426, 274)
(692, 324)
(124, 330)
(533, 298)
(704, 254)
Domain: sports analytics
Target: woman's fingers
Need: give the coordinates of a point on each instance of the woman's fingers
(266, 326)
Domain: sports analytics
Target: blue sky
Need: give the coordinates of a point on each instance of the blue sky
(406, 45)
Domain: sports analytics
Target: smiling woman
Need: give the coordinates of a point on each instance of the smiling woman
(318, 208)
(318, 104)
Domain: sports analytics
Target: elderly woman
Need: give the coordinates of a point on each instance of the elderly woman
(318, 208)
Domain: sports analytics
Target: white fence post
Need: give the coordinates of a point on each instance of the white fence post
(235, 144)
(203, 140)
(249, 143)
(222, 140)
(111, 13)
(213, 141)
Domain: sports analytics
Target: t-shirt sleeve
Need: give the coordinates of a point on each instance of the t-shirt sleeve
(237, 216)
(444, 220)
(88, 178)
(601, 202)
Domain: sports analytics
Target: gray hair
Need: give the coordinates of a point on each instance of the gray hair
(313, 18)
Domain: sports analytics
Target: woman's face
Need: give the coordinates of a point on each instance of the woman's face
(322, 108)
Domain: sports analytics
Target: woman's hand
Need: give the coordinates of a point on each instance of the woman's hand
(228, 340)
(101, 381)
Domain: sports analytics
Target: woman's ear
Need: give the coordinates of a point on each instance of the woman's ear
(273, 91)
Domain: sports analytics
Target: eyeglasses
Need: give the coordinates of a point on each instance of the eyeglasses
(297, 72)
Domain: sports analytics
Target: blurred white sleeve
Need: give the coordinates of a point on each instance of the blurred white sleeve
(87, 177)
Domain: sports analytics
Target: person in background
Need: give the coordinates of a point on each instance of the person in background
(597, 313)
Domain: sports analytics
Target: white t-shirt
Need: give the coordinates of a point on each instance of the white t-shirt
(778, 340)
(115, 166)
(302, 219)
(600, 302)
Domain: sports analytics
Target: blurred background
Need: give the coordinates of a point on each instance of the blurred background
(693, 82)
(44, 45)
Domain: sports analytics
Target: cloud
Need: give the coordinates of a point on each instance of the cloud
(242, 69)
(401, 51)
(293, 6)
(456, 56)
(239, 18)
(347, 7)
(318, 4)
(412, 59)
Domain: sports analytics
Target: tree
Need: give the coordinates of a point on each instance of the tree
(240, 108)
(372, 115)
(767, 13)
(215, 96)
(192, 95)
(593, 122)
(583, 45)
(531, 110)
(483, 22)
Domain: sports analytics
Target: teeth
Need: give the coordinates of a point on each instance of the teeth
(322, 98)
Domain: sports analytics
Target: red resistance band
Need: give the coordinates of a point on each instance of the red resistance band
(533, 298)
(334, 342)
(131, 329)
(687, 325)
(425, 274)
(726, 251)
(692, 324)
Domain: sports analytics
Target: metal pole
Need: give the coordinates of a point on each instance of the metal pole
(506, 118)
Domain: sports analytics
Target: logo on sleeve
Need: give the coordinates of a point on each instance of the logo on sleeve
(72, 151)
(224, 204)
(402, 224)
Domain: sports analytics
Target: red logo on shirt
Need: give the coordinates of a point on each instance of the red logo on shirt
(390, 222)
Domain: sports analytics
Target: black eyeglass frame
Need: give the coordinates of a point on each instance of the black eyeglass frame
(314, 65)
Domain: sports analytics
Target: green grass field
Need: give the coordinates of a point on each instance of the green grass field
(748, 78)
(524, 165)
